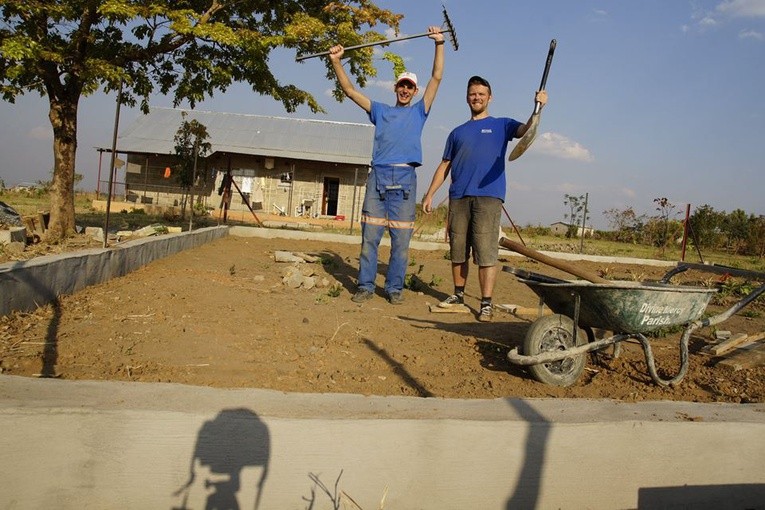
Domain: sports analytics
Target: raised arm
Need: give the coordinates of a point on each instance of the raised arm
(335, 56)
(541, 98)
(438, 67)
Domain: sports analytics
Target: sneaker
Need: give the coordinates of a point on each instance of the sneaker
(452, 301)
(362, 295)
(396, 298)
(486, 313)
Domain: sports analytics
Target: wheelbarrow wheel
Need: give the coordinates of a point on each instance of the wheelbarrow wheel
(555, 333)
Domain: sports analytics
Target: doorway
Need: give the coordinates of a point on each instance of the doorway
(330, 196)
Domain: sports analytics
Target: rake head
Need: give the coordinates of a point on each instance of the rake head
(450, 30)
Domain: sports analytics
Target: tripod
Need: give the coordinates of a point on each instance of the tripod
(225, 201)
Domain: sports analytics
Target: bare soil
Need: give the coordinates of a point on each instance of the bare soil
(221, 315)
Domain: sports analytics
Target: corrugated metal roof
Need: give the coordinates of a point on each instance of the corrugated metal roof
(313, 140)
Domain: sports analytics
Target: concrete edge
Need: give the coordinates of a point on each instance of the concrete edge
(26, 285)
(19, 392)
(241, 231)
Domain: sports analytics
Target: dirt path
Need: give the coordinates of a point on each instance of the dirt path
(220, 315)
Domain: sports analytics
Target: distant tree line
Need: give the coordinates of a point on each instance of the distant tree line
(736, 232)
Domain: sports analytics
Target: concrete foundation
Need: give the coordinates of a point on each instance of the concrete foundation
(81, 445)
(96, 445)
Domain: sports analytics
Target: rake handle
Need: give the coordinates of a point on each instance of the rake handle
(367, 45)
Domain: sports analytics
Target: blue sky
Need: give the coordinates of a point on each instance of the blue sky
(647, 99)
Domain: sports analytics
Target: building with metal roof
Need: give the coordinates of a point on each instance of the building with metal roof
(286, 166)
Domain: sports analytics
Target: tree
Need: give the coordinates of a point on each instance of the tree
(191, 145)
(626, 224)
(190, 50)
(665, 235)
(736, 228)
(576, 213)
(707, 223)
(756, 239)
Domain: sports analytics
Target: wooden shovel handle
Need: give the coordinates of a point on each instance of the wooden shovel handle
(556, 263)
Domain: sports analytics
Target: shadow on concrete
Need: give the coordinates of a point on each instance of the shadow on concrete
(527, 489)
(233, 440)
(45, 295)
(399, 370)
(719, 497)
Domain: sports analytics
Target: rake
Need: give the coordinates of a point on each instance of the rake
(449, 29)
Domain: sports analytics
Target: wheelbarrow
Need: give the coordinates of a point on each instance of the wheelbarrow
(555, 350)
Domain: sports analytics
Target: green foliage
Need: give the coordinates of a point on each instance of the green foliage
(329, 262)
(625, 224)
(709, 229)
(707, 225)
(412, 281)
(335, 290)
(662, 235)
(398, 63)
(184, 50)
(187, 50)
(415, 283)
(191, 146)
(577, 214)
(536, 230)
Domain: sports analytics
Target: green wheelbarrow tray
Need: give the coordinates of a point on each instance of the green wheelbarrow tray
(628, 309)
(624, 306)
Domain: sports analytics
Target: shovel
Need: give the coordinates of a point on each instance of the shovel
(528, 138)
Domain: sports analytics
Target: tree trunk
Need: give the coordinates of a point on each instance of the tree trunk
(63, 118)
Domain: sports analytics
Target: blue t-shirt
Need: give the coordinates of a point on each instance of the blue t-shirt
(477, 150)
(398, 130)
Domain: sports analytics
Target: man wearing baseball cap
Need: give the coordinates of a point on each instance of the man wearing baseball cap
(389, 202)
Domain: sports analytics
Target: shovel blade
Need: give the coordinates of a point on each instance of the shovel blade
(526, 140)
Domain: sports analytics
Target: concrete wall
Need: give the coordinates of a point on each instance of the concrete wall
(28, 284)
(83, 445)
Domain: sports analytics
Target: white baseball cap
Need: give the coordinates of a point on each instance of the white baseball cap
(407, 76)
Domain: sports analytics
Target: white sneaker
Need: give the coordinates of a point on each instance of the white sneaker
(452, 301)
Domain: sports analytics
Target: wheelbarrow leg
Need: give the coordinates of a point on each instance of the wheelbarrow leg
(683, 358)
